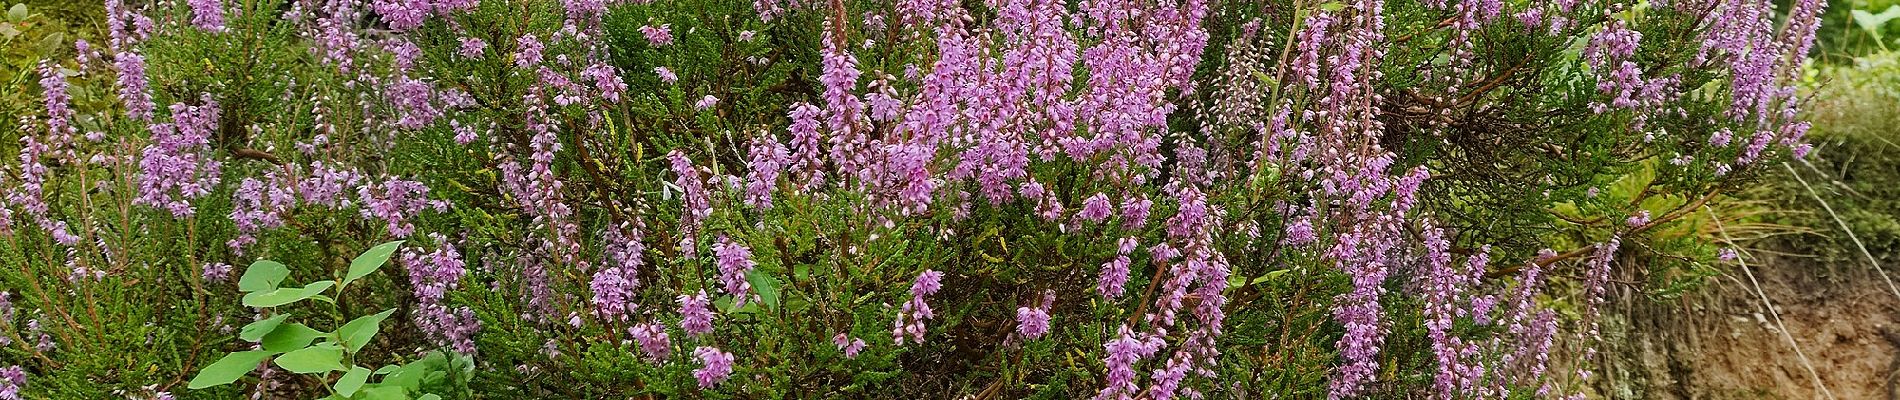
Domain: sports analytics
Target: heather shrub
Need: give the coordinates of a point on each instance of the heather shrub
(999, 199)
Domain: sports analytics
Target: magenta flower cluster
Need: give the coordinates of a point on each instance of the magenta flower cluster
(1071, 114)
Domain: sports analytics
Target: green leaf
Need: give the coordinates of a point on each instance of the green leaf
(1264, 78)
(17, 13)
(384, 392)
(724, 304)
(313, 360)
(371, 260)
(284, 296)
(766, 285)
(1873, 23)
(263, 275)
(1332, 6)
(412, 375)
(360, 331)
(229, 368)
(1269, 276)
(291, 336)
(351, 381)
(429, 396)
(256, 330)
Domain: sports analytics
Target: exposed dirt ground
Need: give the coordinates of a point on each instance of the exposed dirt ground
(1723, 344)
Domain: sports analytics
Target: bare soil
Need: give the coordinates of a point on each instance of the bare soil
(1723, 343)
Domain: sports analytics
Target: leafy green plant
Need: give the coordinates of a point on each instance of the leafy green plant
(1874, 23)
(329, 356)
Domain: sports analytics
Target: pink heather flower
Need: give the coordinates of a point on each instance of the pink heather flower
(768, 159)
(767, 9)
(1444, 287)
(614, 284)
(706, 102)
(1033, 322)
(132, 86)
(1095, 208)
(404, 51)
(807, 159)
(415, 102)
(207, 14)
(216, 272)
(432, 275)
(528, 51)
(666, 75)
(472, 47)
(1721, 138)
(910, 320)
(1641, 218)
(606, 79)
(259, 205)
(12, 379)
(695, 200)
(177, 167)
(1300, 232)
(695, 316)
(402, 15)
(1726, 254)
(1124, 351)
(1114, 275)
(848, 345)
(59, 111)
(716, 365)
(325, 185)
(658, 36)
(735, 261)
(927, 283)
(839, 74)
(1135, 212)
(463, 134)
(652, 339)
(396, 202)
(584, 10)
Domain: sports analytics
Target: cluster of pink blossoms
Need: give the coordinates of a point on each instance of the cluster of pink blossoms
(992, 107)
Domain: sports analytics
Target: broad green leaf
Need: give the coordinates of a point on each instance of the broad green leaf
(263, 275)
(383, 392)
(256, 330)
(351, 381)
(17, 13)
(766, 285)
(284, 296)
(371, 260)
(312, 360)
(429, 396)
(1873, 23)
(1332, 6)
(360, 331)
(411, 375)
(229, 368)
(289, 337)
